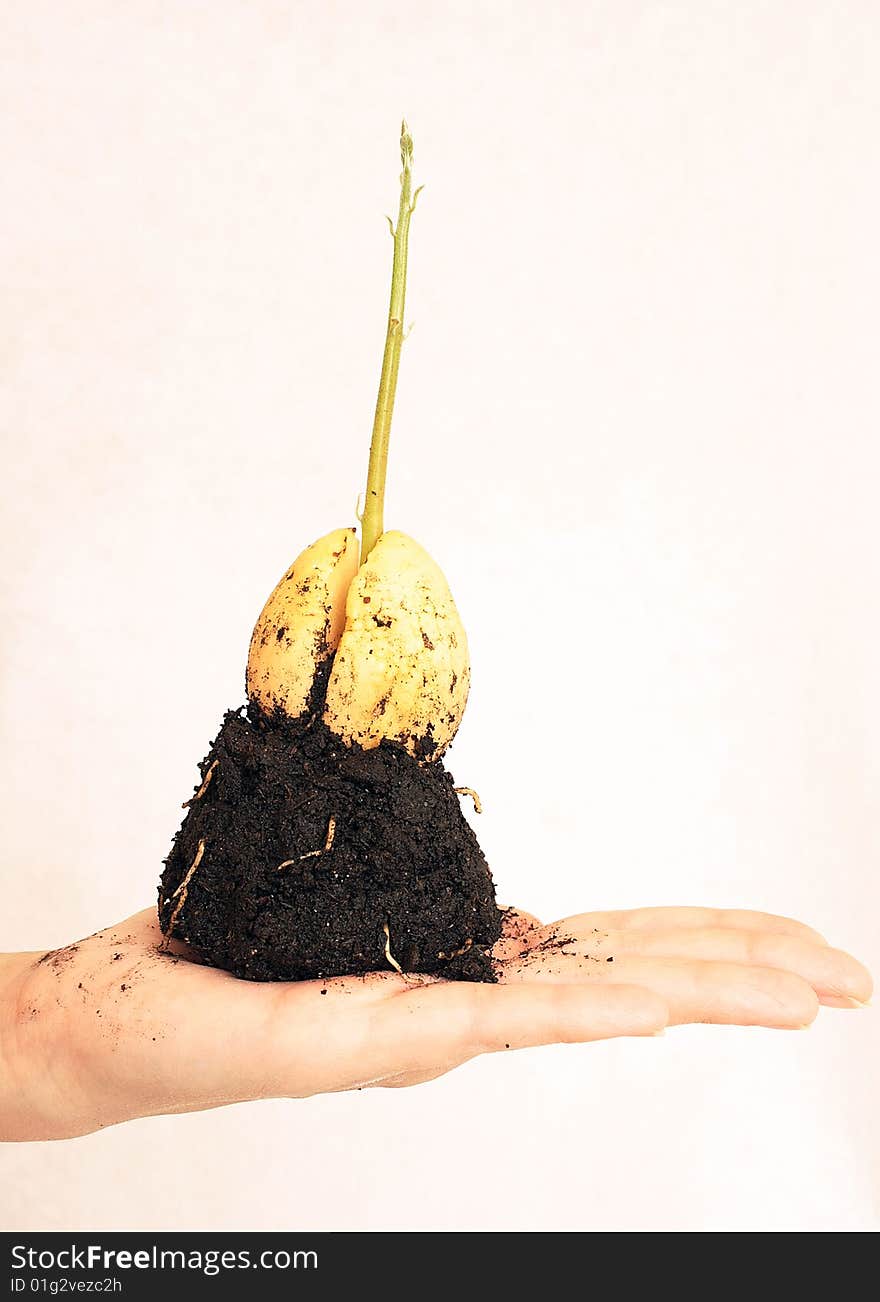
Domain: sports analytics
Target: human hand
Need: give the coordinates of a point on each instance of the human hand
(114, 1028)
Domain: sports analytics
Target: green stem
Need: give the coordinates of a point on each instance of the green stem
(372, 521)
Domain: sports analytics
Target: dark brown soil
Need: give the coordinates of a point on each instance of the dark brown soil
(369, 840)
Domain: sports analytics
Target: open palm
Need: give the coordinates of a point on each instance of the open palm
(113, 1028)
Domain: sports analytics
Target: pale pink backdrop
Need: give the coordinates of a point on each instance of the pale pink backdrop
(637, 426)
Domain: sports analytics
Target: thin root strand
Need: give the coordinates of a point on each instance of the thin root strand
(456, 953)
(469, 791)
(391, 959)
(182, 891)
(314, 854)
(203, 788)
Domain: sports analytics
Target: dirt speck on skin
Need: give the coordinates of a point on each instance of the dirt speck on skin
(275, 896)
(58, 959)
(552, 944)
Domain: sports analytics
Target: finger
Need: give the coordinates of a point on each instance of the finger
(453, 1021)
(694, 990)
(667, 918)
(405, 1079)
(830, 972)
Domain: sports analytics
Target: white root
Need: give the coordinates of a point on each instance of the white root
(182, 891)
(203, 788)
(314, 854)
(391, 959)
(456, 953)
(469, 791)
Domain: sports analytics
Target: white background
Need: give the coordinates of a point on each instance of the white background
(637, 426)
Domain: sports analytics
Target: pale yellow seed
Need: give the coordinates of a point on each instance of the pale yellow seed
(300, 625)
(401, 671)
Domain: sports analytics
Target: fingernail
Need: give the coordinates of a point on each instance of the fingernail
(843, 1001)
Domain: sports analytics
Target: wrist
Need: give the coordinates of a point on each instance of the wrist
(11, 970)
(18, 1119)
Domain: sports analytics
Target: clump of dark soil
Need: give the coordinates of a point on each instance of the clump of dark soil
(301, 857)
